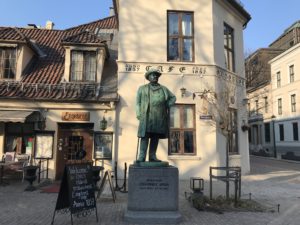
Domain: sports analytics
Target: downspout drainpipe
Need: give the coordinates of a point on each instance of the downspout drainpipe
(274, 139)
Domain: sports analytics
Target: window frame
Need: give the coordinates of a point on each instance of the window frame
(292, 73)
(182, 130)
(278, 74)
(3, 62)
(267, 127)
(293, 103)
(266, 104)
(227, 49)
(256, 106)
(21, 136)
(295, 131)
(233, 123)
(83, 75)
(105, 141)
(180, 36)
(279, 105)
(281, 132)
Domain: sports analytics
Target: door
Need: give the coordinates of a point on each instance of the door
(71, 141)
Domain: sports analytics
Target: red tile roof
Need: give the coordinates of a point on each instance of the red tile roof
(42, 78)
(84, 37)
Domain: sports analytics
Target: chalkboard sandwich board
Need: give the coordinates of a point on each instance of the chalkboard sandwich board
(77, 191)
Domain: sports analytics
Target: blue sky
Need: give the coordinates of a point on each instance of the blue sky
(64, 13)
(269, 20)
(269, 17)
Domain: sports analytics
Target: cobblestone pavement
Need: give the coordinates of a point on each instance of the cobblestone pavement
(269, 183)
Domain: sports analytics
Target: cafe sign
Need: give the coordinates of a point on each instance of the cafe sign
(75, 116)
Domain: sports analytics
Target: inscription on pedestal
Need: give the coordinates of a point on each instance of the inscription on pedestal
(153, 188)
(154, 184)
(153, 195)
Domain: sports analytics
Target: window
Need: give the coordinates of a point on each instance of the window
(229, 47)
(256, 106)
(295, 132)
(249, 108)
(267, 132)
(278, 79)
(19, 137)
(103, 145)
(180, 36)
(293, 103)
(266, 104)
(281, 132)
(292, 75)
(233, 139)
(7, 63)
(83, 66)
(182, 138)
(250, 135)
(279, 106)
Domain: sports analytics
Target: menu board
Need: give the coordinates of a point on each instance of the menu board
(77, 189)
(81, 187)
(44, 145)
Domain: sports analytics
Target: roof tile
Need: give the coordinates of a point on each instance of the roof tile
(48, 71)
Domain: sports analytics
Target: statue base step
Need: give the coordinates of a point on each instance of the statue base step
(151, 217)
(151, 164)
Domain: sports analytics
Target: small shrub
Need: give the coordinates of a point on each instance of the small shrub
(220, 204)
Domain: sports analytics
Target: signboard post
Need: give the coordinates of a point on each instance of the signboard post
(77, 191)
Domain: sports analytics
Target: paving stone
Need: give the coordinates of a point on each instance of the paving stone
(272, 187)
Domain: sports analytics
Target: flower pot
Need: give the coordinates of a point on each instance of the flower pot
(30, 176)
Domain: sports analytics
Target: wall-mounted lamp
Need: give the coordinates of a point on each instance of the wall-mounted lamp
(103, 124)
(203, 93)
(245, 101)
(245, 126)
(183, 91)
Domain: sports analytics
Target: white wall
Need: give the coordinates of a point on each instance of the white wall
(143, 29)
(2, 127)
(142, 42)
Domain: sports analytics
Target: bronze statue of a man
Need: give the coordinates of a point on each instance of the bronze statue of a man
(152, 109)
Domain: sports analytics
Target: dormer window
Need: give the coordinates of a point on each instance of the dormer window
(84, 58)
(7, 63)
(83, 66)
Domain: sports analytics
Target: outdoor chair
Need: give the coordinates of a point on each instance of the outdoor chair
(19, 162)
(24, 161)
(9, 156)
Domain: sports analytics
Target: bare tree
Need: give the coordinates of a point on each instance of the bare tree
(221, 106)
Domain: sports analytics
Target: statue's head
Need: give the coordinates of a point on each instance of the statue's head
(152, 72)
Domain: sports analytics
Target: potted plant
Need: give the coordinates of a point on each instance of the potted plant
(30, 175)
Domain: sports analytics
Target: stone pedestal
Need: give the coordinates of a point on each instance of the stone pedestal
(153, 195)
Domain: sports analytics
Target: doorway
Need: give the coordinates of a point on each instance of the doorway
(73, 138)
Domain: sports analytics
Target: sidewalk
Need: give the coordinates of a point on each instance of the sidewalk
(267, 186)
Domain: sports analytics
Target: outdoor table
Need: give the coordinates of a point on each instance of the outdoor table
(2, 165)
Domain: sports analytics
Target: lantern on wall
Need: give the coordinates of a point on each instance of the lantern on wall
(103, 124)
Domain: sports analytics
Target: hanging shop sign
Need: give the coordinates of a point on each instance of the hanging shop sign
(75, 116)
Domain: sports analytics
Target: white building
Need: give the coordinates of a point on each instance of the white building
(285, 70)
(187, 42)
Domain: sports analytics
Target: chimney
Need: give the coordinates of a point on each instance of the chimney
(31, 26)
(49, 25)
(111, 11)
